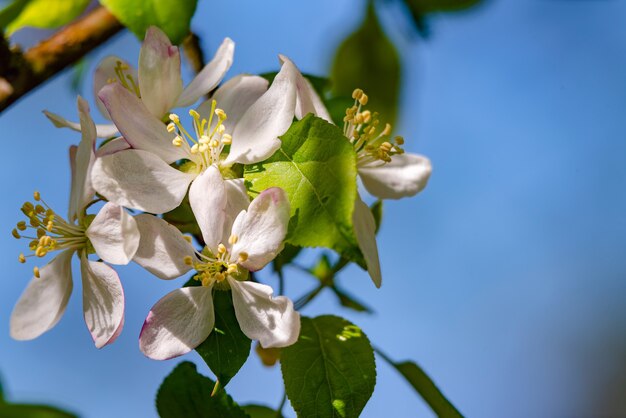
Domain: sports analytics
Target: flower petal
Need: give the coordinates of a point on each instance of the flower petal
(81, 162)
(262, 229)
(162, 248)
(114, 234)
(44, 301)
(105, 73)
(235, 97)
(272, 321)
(140, 180)
(307, 100)
(207, 197)
(178, 323)
(255, 137)
(102, 131)
(103, 301)
(160, 83)
(139, 127)
(365, 231)
(112, 146)
(406, 175)
(210, 75)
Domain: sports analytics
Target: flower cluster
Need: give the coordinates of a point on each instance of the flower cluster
(154, 161)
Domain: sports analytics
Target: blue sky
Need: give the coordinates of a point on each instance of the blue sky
(504, 279)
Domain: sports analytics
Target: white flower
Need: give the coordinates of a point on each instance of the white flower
(237, 241)
(386, 171)
(158, 82)
(250, 118)
(112, 234)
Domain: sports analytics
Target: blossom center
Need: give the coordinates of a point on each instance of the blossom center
(205, 147)
(214, 268)
(47, 231)
(361, 127)
(125, 78)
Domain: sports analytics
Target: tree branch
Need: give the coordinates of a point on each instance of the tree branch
(22, 72)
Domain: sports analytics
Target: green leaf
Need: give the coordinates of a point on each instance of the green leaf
(11, 12)
(32, 411)
(45, 14)
(226, 349)
(377, 211)
(286, 256)
(425, 387)
(367, 59)
(260, 411)
(429, 6)
(172, 17)
(348, 301)
(330, 371)
(186, 393)
(316, 167)
(183, 218)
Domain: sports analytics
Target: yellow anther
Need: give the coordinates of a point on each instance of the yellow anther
(174, 118)
(204, 139)
(171, 127)
(21, 258)
(36, 196)
(40, 252)
(243, 256)
(399, 140)
(21, 225)
(194, 114)
(232, 268)
(40, 232)
(194, 149)
(177, 141)
(219, 277)
(227, 139)
(357, 93)
(33, 245)
(214, 143)
(188, 260)
(221, 129)
(220, 114)
(221, 249)
(187, 238)
(16, 234)
(386, 146)
(206, 281)
(364, 99)
(203, 148)
(233, 239)
(40, 209)
(50, 226)
(36, 272)
(387, 130)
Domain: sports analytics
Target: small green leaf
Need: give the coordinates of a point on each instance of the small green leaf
(348, 301)
(32, 411)
(46, 14)
(9, 13)
(367, 59)
(425, 387)
(260, 411)
(323, 270)
(226, 349)
(330, 371)
(316, 166)
(172, 17)
(183, 218)
(186, 393)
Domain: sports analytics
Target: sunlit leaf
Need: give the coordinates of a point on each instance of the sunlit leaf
(173, 17)
(368, 60)
(186, 393)
(47, 14)
(11, 11)
(330, 371)
(260, 411)
(226, 349)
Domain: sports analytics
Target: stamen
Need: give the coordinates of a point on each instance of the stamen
(21, 258)
(36, 272)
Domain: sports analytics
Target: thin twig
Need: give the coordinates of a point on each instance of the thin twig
(22, 72)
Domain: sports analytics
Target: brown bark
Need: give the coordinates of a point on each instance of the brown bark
(22, 72)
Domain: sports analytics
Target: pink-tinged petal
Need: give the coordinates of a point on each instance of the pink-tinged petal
(106, 74)
(307, 100)
(81, 162)
(235, 97)
(112, 146)
(160, 83)
(141, 129)
(103, 301)
(102, 131)
(262, 229)
(114, 234)
(365, 231)
(44, 301)
(209, 76)
(255, 137)
(272, 321)
(178, 323)
(162, 248)
(207, 197)
(140, 180)
(406, 175)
